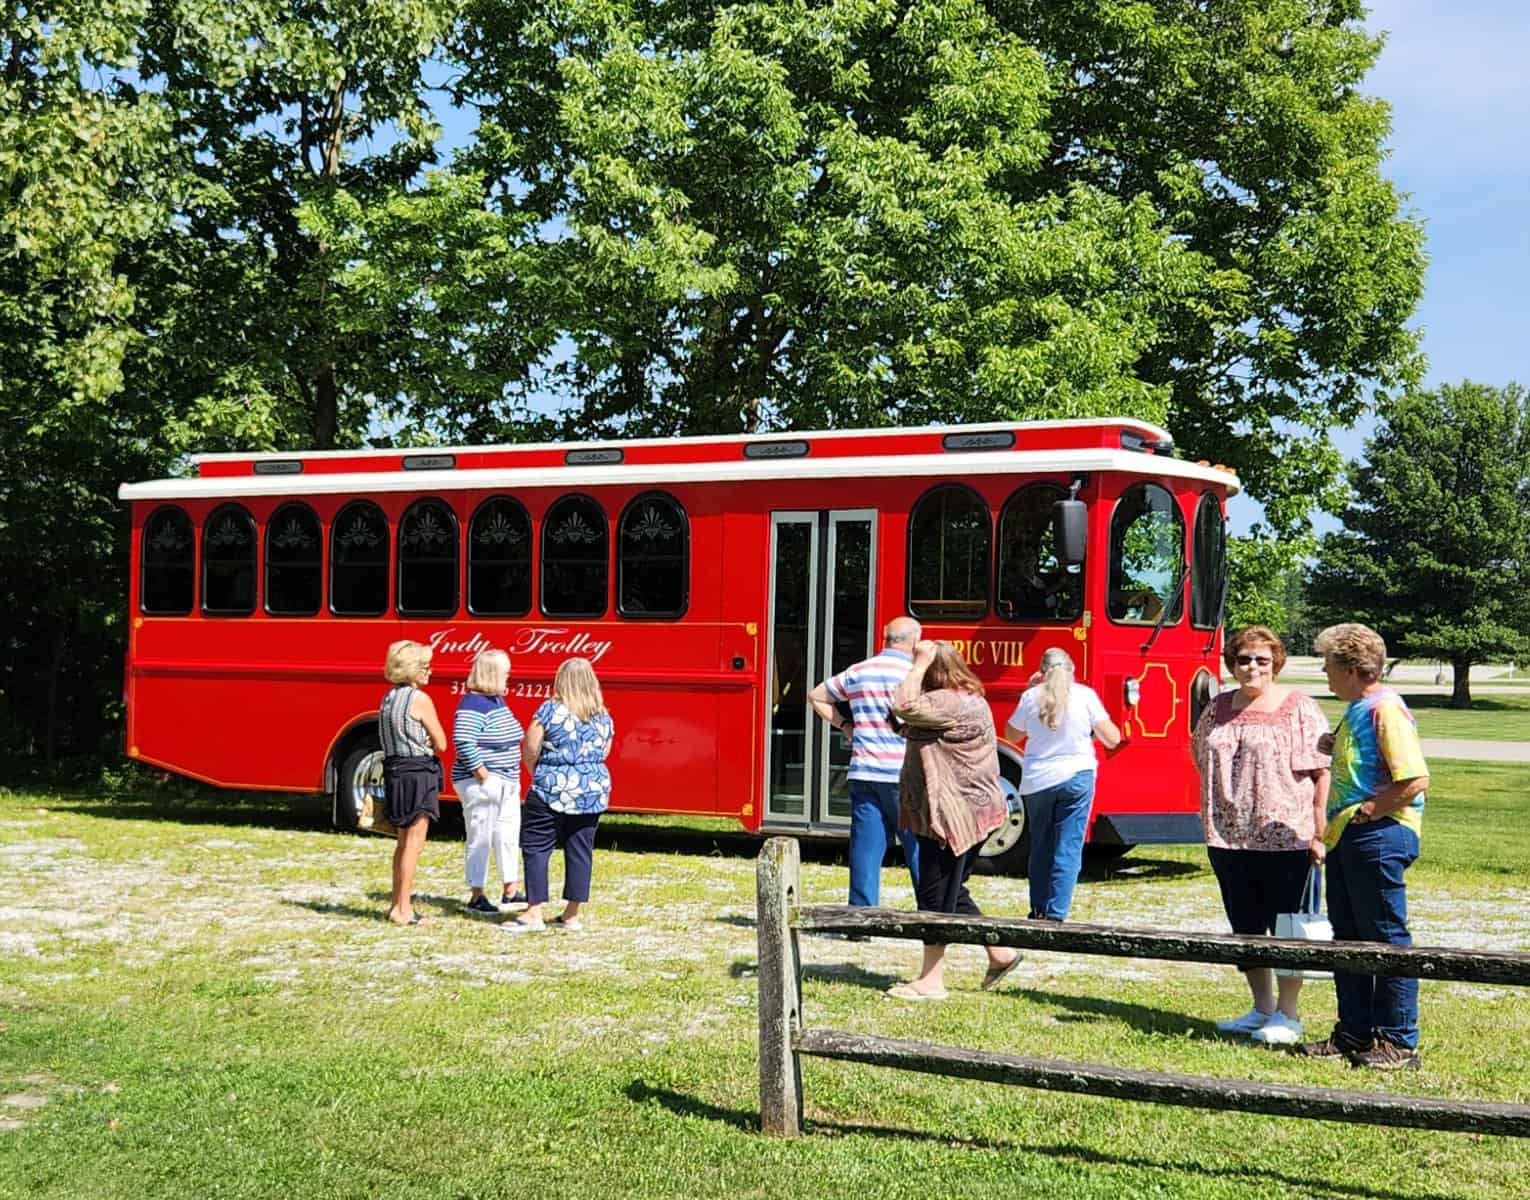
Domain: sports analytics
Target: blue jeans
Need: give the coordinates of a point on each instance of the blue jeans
(873, 825)
(1368, 902)
(1057, 818)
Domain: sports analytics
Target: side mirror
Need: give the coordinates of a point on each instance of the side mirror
(1070, 526)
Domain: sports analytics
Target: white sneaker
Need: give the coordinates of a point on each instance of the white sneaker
(1247, 1023)
(1279, 1030)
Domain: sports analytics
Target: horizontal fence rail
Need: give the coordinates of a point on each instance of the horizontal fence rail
(1359, 958)
(1194, 1091)
(784, 1040)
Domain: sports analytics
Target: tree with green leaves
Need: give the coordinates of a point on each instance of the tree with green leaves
(773, 214)
(1435, 549)
(87, 171)
(324, 275)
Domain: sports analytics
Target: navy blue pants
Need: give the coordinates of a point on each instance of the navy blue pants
(1368, 902)
(542, 831)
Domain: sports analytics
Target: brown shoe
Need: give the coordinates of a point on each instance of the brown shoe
(1386, 1056)
(1337, 1044)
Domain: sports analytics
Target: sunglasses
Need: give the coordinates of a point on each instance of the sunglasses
(1248, 660)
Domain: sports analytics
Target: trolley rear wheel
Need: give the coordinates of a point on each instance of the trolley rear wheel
(1008, 848)
(359, 771)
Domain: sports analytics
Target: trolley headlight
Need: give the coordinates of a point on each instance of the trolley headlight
(1133, 693)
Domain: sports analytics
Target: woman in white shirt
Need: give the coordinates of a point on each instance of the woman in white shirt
(1056, 721)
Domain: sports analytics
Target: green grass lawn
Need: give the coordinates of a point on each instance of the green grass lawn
(1495, 717)
(198, 999)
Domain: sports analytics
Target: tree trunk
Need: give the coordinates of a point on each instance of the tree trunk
(50, 689)
(326, 408)
(1461, 693)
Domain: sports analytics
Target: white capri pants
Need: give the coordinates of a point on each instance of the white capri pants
(491, 817)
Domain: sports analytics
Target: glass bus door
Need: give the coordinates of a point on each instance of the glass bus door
(821, 612)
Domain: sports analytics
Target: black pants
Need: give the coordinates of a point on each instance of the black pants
(542, 830)
(942, 883)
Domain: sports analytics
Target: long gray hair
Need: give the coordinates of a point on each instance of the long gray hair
(1056, 681)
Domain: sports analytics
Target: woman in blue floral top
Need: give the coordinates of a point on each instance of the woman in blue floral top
(566, 748)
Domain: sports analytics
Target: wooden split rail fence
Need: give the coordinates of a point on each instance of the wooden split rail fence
(784, 1038)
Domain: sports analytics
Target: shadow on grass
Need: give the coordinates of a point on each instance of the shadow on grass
(622, 832)
(1136, 868)
(852, 974)
(638, 834)
(433, 907)
(295, 812)
(748, 1121)
(232, 809)
(1078, 1009)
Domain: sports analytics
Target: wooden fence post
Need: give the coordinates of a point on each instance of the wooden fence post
(780, 977)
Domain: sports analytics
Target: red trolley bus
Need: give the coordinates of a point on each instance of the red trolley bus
(712, 581)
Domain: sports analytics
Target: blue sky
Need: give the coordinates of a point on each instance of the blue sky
(1455, 76)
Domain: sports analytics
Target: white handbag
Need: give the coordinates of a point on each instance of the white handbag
(1310, 925)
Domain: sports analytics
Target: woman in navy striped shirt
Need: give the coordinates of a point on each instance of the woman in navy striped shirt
(487, 776)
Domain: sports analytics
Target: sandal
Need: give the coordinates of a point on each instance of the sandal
(993, 975)
(520, 926)
(907, 991)
(571, 925)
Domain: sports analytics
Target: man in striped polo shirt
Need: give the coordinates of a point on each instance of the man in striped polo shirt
(876, 755)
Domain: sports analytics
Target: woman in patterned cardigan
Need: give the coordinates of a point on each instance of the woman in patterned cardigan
(949, 798)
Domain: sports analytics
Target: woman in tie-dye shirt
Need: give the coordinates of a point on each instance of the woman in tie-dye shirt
(1375, 817)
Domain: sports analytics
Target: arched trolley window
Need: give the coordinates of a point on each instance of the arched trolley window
(228, 562)
(1033, 584)
(499, 559)
(1147, 557)
(167, 564)
(294, 562)
(1208, 563)
(358, 561)
(575, 558)
(653, 558)
(427, 560)
(949, 536)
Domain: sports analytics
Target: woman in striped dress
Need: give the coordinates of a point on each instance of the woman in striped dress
(411, 737)
(486, 739)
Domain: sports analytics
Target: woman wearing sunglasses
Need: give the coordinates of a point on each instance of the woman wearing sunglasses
(1264, 790)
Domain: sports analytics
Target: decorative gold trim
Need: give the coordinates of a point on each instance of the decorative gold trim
(1142, 729)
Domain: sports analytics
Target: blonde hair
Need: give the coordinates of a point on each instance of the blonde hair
(1056, 684)
(947, 670)
(406, 662)
(1356, 647)
(575, 684)
(490, 674)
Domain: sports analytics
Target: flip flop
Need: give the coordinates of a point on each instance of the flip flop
(519, 926)
(994, 975)
(572, 925)
(907, 991)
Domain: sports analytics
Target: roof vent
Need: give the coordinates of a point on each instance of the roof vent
(1002, 439)
(592, 458)
(776, 450)
(429, 462)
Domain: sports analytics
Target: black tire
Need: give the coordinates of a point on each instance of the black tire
(1008, 848)
(358, 766)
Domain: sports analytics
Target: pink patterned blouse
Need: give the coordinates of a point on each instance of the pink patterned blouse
(1256, 773)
